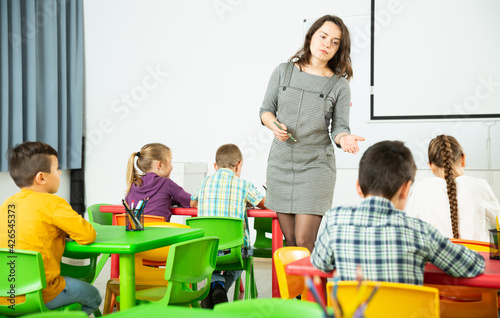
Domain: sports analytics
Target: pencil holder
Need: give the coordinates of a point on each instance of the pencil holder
(494, 244)
(134, 220)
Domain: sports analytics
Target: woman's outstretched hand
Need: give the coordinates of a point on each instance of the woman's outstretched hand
(349, 143)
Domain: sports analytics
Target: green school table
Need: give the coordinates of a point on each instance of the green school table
(114, 239)
(277, 235)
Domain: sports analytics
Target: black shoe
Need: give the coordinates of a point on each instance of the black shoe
(219, 295)
(207, 303)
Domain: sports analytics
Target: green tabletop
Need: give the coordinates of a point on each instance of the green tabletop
(114, 239)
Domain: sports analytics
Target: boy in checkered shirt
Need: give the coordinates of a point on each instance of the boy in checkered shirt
(377, 235)
(225, 194)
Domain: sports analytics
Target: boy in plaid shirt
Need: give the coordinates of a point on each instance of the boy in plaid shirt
(377, 235)
(224, 194)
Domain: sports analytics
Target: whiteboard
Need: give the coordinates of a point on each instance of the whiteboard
(435, 59)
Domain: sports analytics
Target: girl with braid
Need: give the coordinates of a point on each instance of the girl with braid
(459, 206)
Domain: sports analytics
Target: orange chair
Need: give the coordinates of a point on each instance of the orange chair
(460, 301)
(120, 218)
(149, 269)
(290, 285)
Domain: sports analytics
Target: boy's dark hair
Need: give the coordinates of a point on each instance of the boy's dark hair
(27, 159)
(228, 156)
(385, 167)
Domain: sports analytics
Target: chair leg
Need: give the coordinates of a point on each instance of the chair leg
(109, 302)
(237, 289)
(255, 292)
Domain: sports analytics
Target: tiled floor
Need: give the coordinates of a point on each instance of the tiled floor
(262, 267)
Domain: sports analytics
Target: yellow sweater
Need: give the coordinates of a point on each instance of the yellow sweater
(41, 222)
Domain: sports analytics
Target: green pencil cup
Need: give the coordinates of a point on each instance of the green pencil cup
(134, 221)
(494, 253)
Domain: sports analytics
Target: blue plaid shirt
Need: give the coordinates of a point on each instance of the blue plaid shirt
(389, 245)
(224, 194)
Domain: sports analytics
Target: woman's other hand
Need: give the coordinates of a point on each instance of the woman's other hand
(349, 143)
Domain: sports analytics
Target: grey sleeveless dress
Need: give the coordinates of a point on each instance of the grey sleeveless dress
(301, 175)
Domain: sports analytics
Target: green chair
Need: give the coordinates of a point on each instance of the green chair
(96, 216)
(24, 270)
(270, 307)
(230, 232)
(188, 263)
(58, 314)
(88, 272)
(156, 310)
(263, 246)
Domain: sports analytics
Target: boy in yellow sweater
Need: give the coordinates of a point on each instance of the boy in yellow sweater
(44, 220)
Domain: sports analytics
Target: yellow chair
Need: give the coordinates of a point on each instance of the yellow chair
(290, 285)
(478, 246)
(120, 218)
(391, 299)
(148, 270)
(461, 301)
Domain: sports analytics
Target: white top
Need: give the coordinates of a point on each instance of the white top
(477, 206)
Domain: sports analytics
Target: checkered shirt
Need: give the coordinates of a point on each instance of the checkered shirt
(389, 245)
(224, 194)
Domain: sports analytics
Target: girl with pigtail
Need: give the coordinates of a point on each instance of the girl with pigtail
(148, 176)
(459, 206)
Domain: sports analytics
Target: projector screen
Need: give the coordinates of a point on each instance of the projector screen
(435, 59)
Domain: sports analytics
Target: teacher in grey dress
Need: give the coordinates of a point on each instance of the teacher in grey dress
(309, 98)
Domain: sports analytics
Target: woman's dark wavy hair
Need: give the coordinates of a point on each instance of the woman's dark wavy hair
(340, 63)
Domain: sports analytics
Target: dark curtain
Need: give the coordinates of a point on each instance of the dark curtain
(41, 77)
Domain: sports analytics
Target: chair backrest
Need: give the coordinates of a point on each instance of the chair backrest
(290, 285)
(391, 299)
(24, 270)
(147, 263)
(230, 233)
(120, 218)
(190, 262)
(479, 246)
(270, 307)
(96, 216)
(79, 269)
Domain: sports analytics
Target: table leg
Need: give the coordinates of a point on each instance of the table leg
(115, 266)
(127, 281)
(277, 243)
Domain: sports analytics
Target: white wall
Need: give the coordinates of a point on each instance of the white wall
(8, 187)
(192, 75)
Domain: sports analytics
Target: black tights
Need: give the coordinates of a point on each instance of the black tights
(300, 229)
